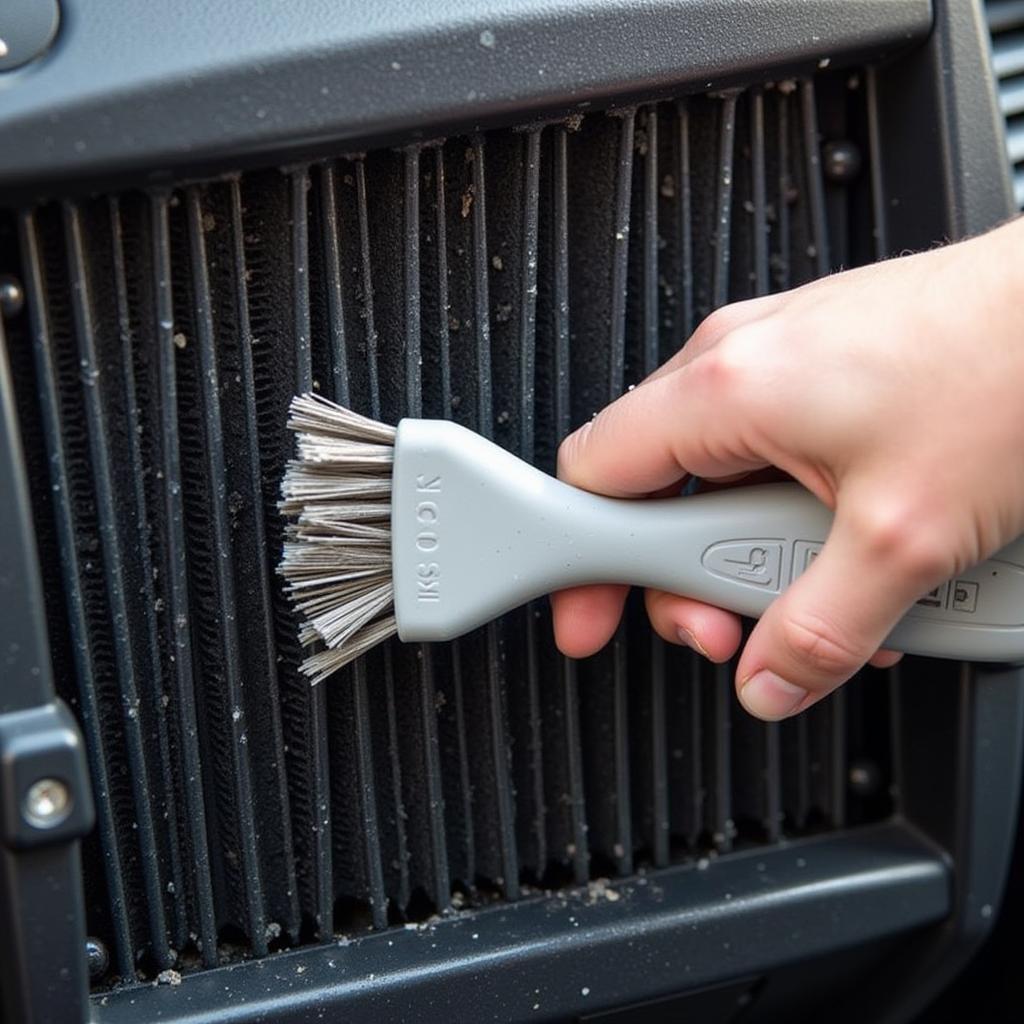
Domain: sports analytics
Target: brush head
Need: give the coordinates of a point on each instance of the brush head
(336, 495)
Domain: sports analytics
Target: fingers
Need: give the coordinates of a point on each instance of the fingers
(885, 659)
(693, 420)
(834, 618)
(710, 631)
(585, 618)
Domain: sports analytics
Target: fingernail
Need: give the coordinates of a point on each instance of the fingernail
(768, 696)
(691, 641)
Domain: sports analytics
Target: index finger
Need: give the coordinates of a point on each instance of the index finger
(651, 437)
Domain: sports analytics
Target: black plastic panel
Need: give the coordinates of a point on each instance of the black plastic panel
(184, 85)
(552, 958)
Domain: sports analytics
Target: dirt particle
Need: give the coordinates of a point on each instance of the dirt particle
(209, 222)
(467, 200)
(180, 340)
(573, 122)
(169, 977)
(668, 187)
(497, 263)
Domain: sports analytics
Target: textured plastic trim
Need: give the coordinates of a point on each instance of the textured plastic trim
(194, 83)
(477, 532)
(546, 959)
(42, 908)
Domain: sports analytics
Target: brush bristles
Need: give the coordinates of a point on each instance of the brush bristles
(337, 551)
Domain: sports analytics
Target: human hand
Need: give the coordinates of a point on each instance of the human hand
(895, 393)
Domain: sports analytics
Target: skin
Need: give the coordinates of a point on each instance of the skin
(895, 393)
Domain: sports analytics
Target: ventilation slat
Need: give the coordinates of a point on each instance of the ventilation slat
(838, 758)
(720, 821)
(723, 220)
(404, 890)
(532, 803)
(177, 581)
(878, 205)
(684, 221)
(265, 719)
(579, 852)
(782, 277)
(815, 180)
(368, 797)
(317, 695)
(332, 286)
(759, 192)
(367, 285)
(225, 589)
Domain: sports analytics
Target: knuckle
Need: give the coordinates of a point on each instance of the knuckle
(570, 452)
(714, 325)
(910, 540)
(820, 646)
(735, 363)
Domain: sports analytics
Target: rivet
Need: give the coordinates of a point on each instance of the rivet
(864, 777)
(841, 161)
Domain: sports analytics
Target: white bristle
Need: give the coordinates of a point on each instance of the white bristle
(337, 552)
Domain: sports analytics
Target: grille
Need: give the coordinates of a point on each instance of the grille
(516, 281)
(1006, 24)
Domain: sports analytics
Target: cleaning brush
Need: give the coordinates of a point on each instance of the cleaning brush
(428, 531)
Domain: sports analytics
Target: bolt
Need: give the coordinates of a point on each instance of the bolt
(47, 803)
(96, 957)
(864, 777)
(841, 161)
(12, 295)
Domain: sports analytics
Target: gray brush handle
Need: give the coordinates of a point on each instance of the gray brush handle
(477, 532)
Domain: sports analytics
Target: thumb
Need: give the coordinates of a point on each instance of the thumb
(836, 615)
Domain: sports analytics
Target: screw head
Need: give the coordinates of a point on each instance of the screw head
(47, 803)
(96, 957)
(12, 295)
(841, 161)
